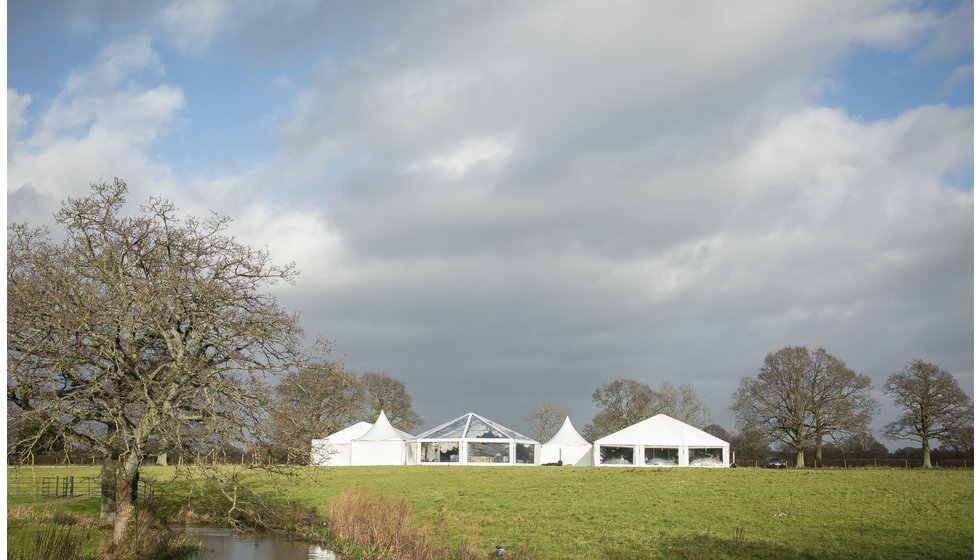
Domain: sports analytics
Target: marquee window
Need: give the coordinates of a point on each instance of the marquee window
(660, 456)
(705, 456)
(440, 452)
(615, 455)
(525, 453)
(487, 452)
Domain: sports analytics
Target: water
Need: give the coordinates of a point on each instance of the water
(224, 544)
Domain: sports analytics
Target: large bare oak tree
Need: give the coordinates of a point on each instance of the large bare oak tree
(934, 405)
(140, 328)
(800, 397)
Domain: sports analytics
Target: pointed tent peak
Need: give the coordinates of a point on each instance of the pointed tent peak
(382, 430)
(567, 435)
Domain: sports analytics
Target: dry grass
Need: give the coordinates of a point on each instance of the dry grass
(28, 515)
(389, 527)
(358, 517)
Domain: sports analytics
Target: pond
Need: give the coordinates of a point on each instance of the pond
(225, 544)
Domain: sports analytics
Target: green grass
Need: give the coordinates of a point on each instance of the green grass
(21, 539)
(566, 513)
(681, 513)
(45, 523)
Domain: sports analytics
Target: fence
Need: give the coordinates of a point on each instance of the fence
(58, 459)
(873, 463)
(39, 487)
(66, 487)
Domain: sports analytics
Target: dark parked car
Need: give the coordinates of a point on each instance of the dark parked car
(774, 463)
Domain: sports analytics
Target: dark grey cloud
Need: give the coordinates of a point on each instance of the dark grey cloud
(504, 204)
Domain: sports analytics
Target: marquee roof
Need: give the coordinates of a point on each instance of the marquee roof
(662, 430)
(473, 426)
(349, 433)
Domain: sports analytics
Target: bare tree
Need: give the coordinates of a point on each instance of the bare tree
(800, 397)
(623, 402)
(961, 440)
(863, 445)
(751, 445)
(841, 405)
(776, 402)
(383, 392)
(682, 403)
(719, 432)
(545, 419)
(311, 403)
(935, 406)
(135, 328)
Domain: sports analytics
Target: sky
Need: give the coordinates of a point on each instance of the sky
(504, 204)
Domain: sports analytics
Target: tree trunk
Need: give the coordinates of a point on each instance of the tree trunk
(134, 487)
(926, 455)
(818, 456)
(799, 458)
(107, 515)
(125, 504)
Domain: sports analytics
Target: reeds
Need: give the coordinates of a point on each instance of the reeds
(365, 521)
(388, 527)
(49, 543)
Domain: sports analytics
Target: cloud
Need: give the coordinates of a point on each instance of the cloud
(502, 204)
(109, 89)
(100, 125)
(16, 119)
(819, 228)
(962, 74)
(952, 33)
(191, 24)
(486, 153)
(659, 198)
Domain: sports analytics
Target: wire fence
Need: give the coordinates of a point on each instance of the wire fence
(38, 488)
(43, 487)
(884, 463)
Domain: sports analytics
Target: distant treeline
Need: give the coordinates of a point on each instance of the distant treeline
(904, 458)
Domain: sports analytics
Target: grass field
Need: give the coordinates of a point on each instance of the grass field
(566, 513)
(32, 524)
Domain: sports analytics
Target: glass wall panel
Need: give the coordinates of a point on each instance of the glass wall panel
(440, 452)
(615, 455)
(488, 452)
(525, 453)
(705, 456)
(660, 456)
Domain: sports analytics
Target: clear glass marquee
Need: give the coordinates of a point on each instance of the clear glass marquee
(474, 439)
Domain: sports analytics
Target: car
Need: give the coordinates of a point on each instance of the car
(774, 463)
